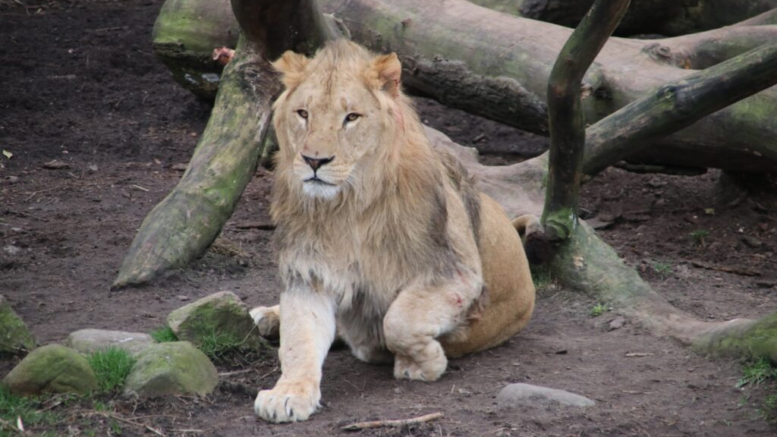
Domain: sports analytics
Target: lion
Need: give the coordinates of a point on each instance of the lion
(381, 239)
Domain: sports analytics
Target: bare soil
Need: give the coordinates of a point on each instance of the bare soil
(81, 86)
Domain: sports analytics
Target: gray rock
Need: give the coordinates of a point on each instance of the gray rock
(88, 341)
(515, 395)
(221, 314)
(616, 323)
(174, 368)
(14, 336)
(52, 369)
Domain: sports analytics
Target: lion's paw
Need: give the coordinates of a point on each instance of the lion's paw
(267, 321)
(288, 402)
(430, 370)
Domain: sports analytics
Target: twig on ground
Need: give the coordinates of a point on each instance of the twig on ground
(392, 423)
(255, 225)
(733, 269)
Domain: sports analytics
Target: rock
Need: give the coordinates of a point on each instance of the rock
(52, 369)
(14, 335)
(55, 165)
(175, 368)
(752, 241)
(222, 314)
(616, 323)
(87, 341)
(515, 395)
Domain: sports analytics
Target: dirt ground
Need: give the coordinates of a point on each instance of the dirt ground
(80, 85)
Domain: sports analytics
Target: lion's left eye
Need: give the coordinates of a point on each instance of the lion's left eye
(352, 116)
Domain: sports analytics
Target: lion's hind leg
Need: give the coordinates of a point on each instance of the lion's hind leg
(268, 320)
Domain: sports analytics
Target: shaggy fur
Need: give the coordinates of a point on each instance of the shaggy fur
(379, 237)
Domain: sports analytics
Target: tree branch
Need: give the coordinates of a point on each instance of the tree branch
(185, 223)
(566, 118)
(677, 105)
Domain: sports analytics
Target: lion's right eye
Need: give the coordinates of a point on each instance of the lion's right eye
(303, 113)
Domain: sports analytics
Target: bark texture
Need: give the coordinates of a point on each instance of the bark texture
(498, 66)
(663, 17)
(185, 223)
(182, 226)
(566, 118)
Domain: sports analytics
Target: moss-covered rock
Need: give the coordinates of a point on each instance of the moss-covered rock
(215, 322)
(88, 341)
(51, 369)
(173, 368)
(15, 338)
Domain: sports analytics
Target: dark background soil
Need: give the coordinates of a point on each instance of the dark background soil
(79, 84)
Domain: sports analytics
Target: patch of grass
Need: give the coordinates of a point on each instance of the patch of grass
(163, 334)
(769, 409)
(13, 406)
(698, 237)
(111, 366)
(662, 269)
(757, 372)
(217, 345)
(541, 277)
(599, 309)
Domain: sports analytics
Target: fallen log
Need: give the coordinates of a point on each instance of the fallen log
(497, 66)
(662, 17)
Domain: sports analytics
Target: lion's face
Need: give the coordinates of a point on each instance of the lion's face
(335, 117)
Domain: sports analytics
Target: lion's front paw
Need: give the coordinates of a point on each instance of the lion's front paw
(287, 402)
(430, 367)
(267, 320)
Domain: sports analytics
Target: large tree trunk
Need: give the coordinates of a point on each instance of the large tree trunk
(663, 17)
(497, 66)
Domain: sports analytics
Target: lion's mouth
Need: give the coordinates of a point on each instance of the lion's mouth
(316, 181)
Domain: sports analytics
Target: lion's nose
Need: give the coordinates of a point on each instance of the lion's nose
(316, 163)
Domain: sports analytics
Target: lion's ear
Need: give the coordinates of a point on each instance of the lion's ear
(385, 72)
(291, 65)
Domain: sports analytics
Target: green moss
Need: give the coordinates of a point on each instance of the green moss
(52, 369)
(15, 338)
(111, 367)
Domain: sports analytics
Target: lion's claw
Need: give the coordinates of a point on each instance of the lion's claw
(287, 402)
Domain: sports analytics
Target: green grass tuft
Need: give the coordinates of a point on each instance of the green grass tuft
(757, 372)
(662, 269)
(541, 277)
(163, 334)
(216, 345)
(111, 366)
(598, 310)
(13, 407)
(698, 237)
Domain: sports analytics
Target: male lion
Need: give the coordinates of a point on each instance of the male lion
(379, 235)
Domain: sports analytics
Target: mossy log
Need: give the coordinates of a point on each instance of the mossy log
(498, 66)
(185, 223)
(182, 226)
(662, 17)
(185, 34)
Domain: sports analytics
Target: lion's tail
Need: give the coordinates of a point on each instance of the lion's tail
(536, 245)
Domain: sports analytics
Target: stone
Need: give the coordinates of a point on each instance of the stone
(52, 369)
(221, 314)
(88, 341)
(616, 323)
(15, 338)
(752, 241)
(175, 368)
(516, 395)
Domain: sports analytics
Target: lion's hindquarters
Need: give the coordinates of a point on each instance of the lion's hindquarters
(508, 281)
